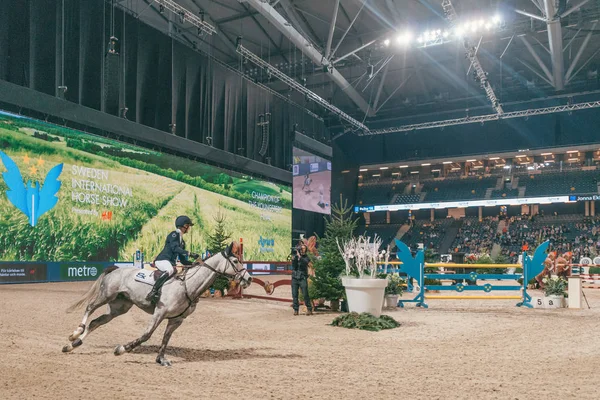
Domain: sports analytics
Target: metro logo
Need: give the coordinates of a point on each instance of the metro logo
(80, 271)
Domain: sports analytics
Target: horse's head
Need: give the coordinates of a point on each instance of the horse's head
(232, 265)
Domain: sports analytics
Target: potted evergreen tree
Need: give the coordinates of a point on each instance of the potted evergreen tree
(330, 264)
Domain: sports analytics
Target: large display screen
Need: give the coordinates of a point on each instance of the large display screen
(66, 195)
(312, 182)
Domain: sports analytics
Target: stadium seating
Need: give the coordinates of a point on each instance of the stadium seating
(566, 233)
(475, 236)
(561, 183)
(387, 232)
(380, 193)
(505, 193)
(429, 233)
(457, 189)
(548, 183)
(407, 199)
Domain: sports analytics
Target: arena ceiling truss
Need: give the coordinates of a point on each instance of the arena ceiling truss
(385, 63)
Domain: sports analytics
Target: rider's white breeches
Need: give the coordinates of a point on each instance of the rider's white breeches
(164, 265)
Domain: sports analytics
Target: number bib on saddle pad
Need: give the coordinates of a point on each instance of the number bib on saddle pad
(150, 274)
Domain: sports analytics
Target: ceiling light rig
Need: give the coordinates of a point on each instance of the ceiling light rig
(293, 84)
(186, 16)
(467, 28)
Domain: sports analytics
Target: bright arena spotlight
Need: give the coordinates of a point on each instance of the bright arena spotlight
(438, 36)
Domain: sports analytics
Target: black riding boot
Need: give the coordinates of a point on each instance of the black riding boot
(154, 294)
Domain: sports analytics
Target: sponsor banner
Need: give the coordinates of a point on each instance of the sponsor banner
(584, 198)
(22, 272)
(364, 209)
(464, 204)
(77, 271)
(266, 269)
(55, 181)
(585, 261)
(80, 271)
(255, 268)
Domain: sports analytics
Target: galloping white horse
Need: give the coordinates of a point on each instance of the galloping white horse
(117, 288)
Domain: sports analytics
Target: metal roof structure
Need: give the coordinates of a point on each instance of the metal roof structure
(391, 63)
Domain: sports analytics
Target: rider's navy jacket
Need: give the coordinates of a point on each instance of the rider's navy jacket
(174, 248)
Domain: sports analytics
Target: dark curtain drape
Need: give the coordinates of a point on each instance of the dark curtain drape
(161, 81)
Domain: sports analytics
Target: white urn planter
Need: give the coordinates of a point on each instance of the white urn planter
(554, 301)
(365, 295)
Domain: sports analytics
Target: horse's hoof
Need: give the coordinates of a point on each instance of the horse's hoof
(77, 343)
(119, 350)
(67, 348)
(163, 362)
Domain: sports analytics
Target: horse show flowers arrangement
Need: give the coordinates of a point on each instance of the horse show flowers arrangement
(555, 286)
(364, 288)
(395, 284)
(361, 256)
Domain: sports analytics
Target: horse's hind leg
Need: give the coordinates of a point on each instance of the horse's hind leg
(116, 307)
(93, 306)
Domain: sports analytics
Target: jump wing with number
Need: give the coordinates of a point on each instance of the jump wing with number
(410, 265)
(536, 265)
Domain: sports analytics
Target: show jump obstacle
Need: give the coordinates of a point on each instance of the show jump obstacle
(415, 269)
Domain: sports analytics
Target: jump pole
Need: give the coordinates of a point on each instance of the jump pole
(474, 297)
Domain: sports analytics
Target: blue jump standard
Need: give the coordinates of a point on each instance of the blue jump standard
(414, 268)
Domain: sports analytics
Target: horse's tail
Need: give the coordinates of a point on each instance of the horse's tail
(92, 293)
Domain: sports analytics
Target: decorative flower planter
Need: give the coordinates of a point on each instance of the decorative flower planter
(391, 300)
(554, 302)
(365, 295)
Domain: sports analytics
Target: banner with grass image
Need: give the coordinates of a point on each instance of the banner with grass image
(66, 195)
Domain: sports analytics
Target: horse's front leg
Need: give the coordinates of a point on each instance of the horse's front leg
(157, 318)
(173, 324)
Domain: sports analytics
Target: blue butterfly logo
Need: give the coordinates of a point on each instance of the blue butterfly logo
(32, 200)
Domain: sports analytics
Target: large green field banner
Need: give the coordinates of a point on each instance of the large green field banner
(66, 195)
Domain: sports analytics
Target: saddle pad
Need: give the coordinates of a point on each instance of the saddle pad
(145, 276)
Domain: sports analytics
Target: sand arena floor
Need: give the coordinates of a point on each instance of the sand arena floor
(252, 349)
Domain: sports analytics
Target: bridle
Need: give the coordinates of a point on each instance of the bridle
(236, 277)
(238, 272)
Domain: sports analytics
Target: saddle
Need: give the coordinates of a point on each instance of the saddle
(149, 274)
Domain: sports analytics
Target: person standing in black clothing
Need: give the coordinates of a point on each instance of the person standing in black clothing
(300, 265)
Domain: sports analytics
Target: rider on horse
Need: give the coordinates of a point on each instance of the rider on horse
(173, 251)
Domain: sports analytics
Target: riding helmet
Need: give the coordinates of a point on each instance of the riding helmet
(183, 220)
